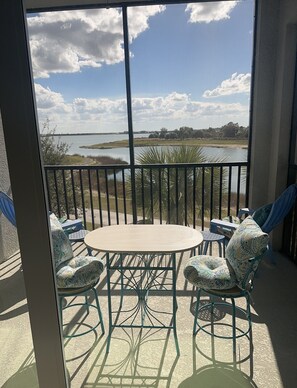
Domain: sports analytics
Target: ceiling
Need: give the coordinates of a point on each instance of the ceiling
(44, 5)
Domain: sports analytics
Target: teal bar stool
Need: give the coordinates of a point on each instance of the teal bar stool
(76, 292)
(209, 238)
(227, 278)
(75, 277)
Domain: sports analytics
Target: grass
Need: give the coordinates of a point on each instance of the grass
(146, 142)
(77, 160)
(120, 203)
(81, 160)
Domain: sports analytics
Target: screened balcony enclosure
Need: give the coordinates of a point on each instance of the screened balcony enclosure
(134, 97)
(128, 77)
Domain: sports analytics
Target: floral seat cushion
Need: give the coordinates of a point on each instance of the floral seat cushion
(79, 272)
(210, 272)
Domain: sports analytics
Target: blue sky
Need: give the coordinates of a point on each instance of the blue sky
(190, 65)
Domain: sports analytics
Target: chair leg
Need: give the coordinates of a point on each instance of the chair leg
(220, 249)
(61, 309)
(87, 304)
(122, 281)
(248, 309)
(234, 325)
(196, 310)
(206, 244)
(99, 310)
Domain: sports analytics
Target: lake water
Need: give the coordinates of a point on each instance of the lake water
(75, 141)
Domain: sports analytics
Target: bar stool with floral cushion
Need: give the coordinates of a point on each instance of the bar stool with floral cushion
(75, 276)
(228, 278)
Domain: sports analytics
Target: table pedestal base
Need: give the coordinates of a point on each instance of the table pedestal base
(143, 281)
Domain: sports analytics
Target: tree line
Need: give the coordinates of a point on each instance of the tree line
(227, 131)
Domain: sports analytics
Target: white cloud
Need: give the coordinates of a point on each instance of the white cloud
(110, 115)
(238, 83)
(47, 100)
(65, 42)
(210, 12)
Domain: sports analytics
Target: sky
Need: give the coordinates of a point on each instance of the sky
(190, 65)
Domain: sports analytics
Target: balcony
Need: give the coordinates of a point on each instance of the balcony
(148, 357)
(273, 116)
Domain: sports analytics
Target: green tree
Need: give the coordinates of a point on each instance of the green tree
(163, 132)
(59, 184)
(52, 148)
(230, 129)
(170, 193)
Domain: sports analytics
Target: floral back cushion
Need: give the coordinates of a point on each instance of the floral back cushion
(261, 215)
(61, 244)
(248, 241)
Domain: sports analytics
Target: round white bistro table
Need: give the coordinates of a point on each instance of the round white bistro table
(151, 244)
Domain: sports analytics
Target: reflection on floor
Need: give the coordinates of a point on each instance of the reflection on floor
(147, 357)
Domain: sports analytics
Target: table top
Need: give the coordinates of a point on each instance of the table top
(143, 238)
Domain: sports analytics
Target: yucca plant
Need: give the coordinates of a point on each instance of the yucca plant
(178, 193)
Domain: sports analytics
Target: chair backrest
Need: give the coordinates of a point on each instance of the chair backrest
(280, 208)
(7, 208)
(247, 244)
(61, 244)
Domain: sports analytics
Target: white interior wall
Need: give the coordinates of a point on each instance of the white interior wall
(273, 99)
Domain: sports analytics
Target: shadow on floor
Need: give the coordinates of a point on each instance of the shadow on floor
(12, 288)
(137, 358)
(221, 366)
(274, 300)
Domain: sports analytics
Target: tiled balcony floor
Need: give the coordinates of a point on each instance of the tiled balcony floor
(147, 358)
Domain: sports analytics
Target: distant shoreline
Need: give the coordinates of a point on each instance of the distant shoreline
(97, 134)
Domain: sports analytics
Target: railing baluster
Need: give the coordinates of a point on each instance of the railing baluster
(221, 192)
(142, 195)
(107, 196)
(91, 199)
(65, 193)
(152, 195)
(73, 193)
(124, 196)
(176, 195)
(160, 195)
(48, 189)
(99, 197)
(116, 195)
(238, 189)
(229, 189)
(168, 195)
(211, 192)
(203, 200)
(186, 195)
(82, 197)
(57, 193)
(194, 197)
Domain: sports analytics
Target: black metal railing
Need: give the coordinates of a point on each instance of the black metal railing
(186, 194)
